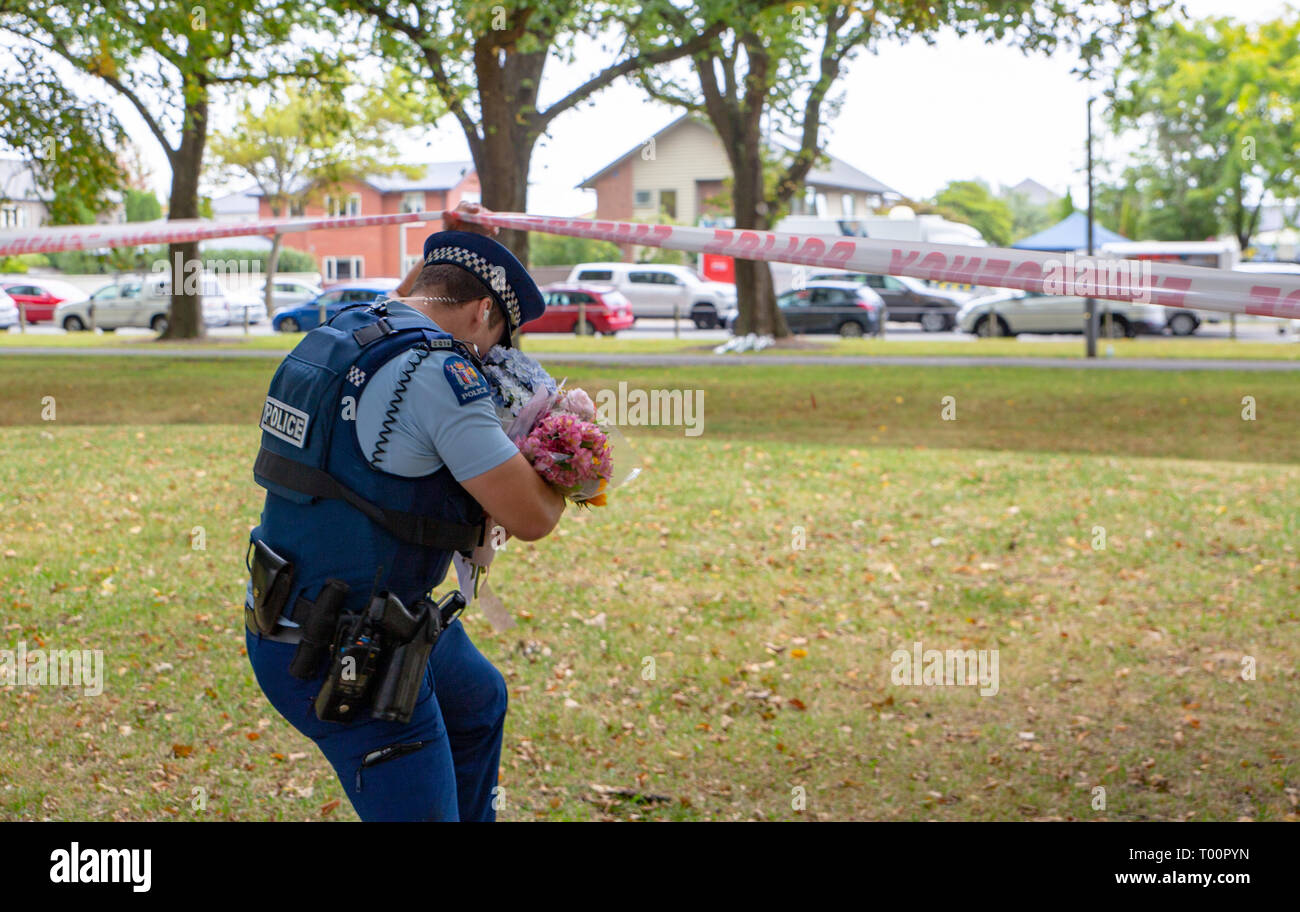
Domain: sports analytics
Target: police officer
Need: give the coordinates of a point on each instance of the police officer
(382, 455)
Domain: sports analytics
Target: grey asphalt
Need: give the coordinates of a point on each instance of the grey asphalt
(711, 360)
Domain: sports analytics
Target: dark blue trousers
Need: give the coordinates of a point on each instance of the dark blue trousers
(458, 723)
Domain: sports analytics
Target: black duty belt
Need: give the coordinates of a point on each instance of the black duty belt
(411, 528)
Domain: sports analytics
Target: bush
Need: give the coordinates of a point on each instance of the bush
(23, 262)
(555, 250)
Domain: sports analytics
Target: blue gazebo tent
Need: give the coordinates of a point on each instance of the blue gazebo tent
(1069, 234)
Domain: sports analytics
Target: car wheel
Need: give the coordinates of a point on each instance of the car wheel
(1183, 324)
(933, 321)
(1120, 328)
(73, 324)
(987, 328)
(159, 324)
(289, 325)
(851, 329)
(704, 316)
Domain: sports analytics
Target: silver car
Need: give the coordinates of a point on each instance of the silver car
(1009, 313)
(8, 311)
(289, 293)
(141, 302)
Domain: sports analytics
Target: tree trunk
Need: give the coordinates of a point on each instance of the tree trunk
(186, 318)
(272, 263)
(507, 92)
(755, 290)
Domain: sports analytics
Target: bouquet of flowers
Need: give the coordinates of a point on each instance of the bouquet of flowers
(558, 432)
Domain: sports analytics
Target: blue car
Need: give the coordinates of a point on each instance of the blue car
(307, 316)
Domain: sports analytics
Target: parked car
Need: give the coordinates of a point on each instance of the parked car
(39, 296)
(908, 300)
(307, 316)
(847, 308)
(289, 293)
(8, 311)
(1014, 312)
(658, 290)
(140, 302)
(604, 309)
(1289, 270)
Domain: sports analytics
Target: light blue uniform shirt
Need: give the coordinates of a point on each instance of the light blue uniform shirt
(418, 413)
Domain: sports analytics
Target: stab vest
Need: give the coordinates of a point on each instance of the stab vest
(328, 510)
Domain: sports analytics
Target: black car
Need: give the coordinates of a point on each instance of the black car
(909, 300)
(833, 307)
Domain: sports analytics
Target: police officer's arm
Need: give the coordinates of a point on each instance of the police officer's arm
(516, 497)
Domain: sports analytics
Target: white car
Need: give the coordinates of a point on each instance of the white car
(1290, 270)
(289, 293)
(8, 311)
(140, 302)
(662, 290)
(1010, 313)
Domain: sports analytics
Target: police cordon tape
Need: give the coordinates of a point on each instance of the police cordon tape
(1164, 284)
(1098, 277)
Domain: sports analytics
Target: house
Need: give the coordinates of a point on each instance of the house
(1034, 192)
(379, 250)
(681, 169)
(22, 202)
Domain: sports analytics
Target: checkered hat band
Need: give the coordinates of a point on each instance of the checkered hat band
(486, 273)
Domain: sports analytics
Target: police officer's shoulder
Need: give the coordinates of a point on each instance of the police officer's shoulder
(461, 374)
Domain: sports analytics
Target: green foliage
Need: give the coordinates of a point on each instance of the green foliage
(316, 136)
(1027, 217)
(291, 259)
(970, 201)
(1064, 208)
(142, 206)
(23, 261)
(555, 250)
(68, 142)
(1215, 104)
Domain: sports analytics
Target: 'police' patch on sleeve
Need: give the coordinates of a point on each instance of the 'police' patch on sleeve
(465, 380)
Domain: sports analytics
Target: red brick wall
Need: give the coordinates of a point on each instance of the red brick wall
(380, 246)
(614, 199)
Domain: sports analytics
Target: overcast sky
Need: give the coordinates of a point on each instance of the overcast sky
(914, 117)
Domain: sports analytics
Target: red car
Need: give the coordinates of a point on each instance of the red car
(604, 308)
(38, 297)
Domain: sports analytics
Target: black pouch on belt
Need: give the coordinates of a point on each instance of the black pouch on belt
(272, 579)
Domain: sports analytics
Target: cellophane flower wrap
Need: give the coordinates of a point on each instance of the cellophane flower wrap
(557, 431)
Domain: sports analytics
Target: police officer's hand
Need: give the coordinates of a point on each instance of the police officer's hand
(452, 221)
(517, 498)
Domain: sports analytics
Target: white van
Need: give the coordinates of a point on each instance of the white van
(659, 290)
(1290, 270)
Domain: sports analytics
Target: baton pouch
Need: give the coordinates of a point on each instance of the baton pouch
(272, 578)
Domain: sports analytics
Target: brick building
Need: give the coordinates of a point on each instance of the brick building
(380, 250)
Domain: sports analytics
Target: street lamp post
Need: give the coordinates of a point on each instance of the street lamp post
(1090, 331)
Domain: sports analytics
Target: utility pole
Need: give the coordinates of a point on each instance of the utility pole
(1090, 331)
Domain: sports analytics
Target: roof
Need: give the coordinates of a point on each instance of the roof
(436, 176)
(1071, 233)
(18, 182)
(837, 173)
(1034, 190)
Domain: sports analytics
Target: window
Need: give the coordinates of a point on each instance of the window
(793, 299)
(596, 275)
(109, 291)
(329, 298)
(643, 199)
(296, 208)
(557, 299)
(642, 278)
(342, 269)
(131, 290)
(408, 263)
(846, 204)
(810, 201)
(577, 297)
(413, 202)
(354, 204)
(668, 202)
(12, 217)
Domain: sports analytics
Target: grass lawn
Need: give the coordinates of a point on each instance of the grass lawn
(678, 655)
(809, 345)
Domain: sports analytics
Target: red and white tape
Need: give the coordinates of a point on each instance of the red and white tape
(1160, 283)
(133, 234)
(1168, 285)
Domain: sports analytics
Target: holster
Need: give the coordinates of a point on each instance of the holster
(272, 578)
